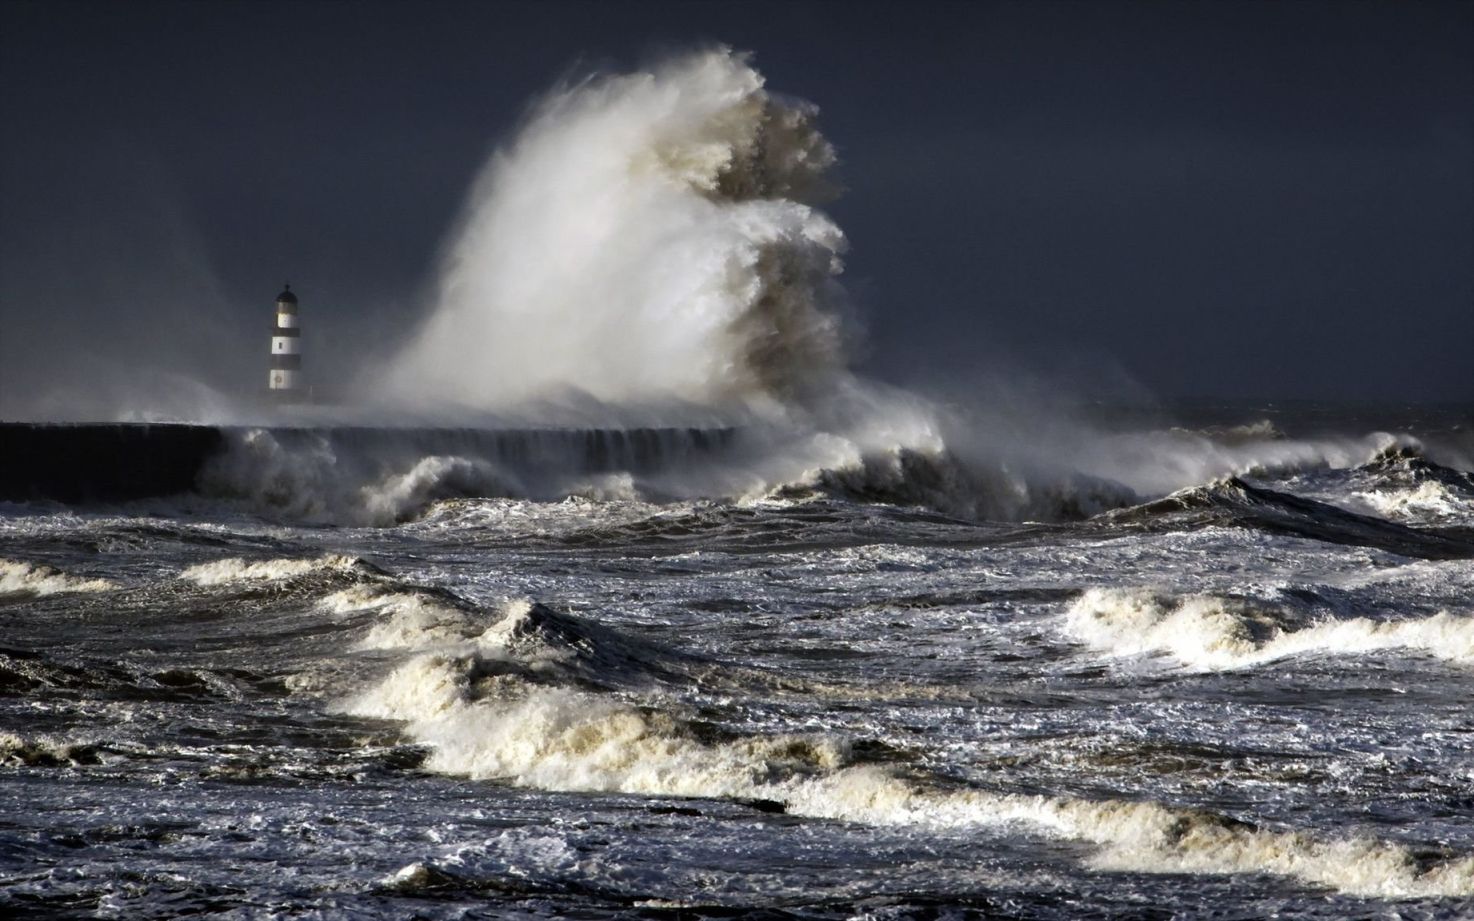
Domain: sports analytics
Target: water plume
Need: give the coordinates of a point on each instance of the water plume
(648, 239)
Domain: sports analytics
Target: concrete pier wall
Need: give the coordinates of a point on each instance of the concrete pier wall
(88, 463)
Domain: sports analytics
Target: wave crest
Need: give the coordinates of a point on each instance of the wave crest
(1212, 633)
(34, 580)
(564, 740)
(1234, 502)
(234, 569)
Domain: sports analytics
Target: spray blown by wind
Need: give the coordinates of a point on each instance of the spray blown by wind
(648, 253)
(649, 239)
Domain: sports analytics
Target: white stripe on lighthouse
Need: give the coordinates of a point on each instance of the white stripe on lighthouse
(284, 376)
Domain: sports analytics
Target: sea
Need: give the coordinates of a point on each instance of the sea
(412, 686)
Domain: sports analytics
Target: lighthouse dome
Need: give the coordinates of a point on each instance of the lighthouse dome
(286, 297)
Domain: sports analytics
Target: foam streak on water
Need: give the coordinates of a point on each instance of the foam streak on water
(1237, 698)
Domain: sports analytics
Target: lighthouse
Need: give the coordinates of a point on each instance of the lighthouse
(286, 347)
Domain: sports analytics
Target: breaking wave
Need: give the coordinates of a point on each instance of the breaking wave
(381, 477)
(981, 491)
(1213, 633)
(1235, 502)
(33, 580)
(1408, 487)
(486, 724)
(408, 619)
(517, 639)
(1406, 463)
(227, 571)
(1430, 502)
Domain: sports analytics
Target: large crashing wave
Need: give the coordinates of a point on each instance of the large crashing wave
(649, 239)
(647, 256)
(649, 251)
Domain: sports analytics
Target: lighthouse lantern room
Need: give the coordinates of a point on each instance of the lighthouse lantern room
(286, 347)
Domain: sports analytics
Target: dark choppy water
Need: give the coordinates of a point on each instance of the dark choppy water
(1250, 697)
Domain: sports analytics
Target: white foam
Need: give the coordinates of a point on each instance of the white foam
(1143, 837)
(562, 740)
(525, 518)
(559, 739)
(400, 496)
(1208, 633)
(513, 632)
(226, 571)
(43, 750)
(419, 620)
(34, 580)
(417, 692)
(412, 620)
(1428, 502)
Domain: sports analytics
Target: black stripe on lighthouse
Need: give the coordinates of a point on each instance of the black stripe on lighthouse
(285, 374)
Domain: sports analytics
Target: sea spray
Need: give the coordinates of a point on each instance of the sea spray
(649, 250)
(648, 238)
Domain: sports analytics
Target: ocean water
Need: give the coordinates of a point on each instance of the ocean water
(857, 693)
(823, 650)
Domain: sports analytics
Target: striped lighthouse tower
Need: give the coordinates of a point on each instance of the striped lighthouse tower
(286, 347)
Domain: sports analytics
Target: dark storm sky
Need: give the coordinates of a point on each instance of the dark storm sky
(1210, 199)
